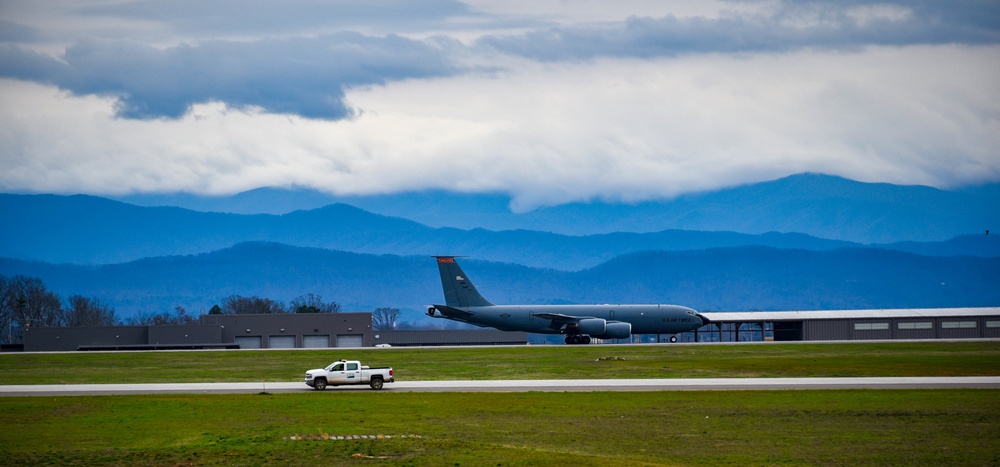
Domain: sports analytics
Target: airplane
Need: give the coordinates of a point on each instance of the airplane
(578, 322)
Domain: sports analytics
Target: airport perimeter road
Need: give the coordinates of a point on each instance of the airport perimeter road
(562, 385)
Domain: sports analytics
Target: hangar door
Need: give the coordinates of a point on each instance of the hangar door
(350, 340)
(315, 342)
(248, 342)
(788, 330)
(281, 342)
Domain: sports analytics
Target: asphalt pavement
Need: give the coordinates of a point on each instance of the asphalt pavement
(691, 384)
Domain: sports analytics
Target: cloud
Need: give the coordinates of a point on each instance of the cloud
(624, 102)
(791, 26)
(11, 31)
(616, 129)
(257, 18)
(302, 76)
(292, 58)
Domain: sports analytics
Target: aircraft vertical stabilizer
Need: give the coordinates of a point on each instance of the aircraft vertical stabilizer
(458, 289)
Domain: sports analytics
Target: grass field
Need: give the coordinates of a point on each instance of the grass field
(821, 427)
(863, 427)
(530, 362)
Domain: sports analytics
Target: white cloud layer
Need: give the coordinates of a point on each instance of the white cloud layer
(549, 105)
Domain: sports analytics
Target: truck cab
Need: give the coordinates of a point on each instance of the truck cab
(344, 373)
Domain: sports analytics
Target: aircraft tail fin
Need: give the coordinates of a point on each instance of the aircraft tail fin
(458, 289)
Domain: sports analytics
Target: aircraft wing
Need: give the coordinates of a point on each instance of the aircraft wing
(560, 318)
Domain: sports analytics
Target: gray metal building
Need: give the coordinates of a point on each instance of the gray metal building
(307, 330)
(42, 339)
(321, 330)
(294, 331)
(278, 331)
(914, 323)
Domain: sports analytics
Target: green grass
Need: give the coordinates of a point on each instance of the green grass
(851, 427)
(820, 427)
(544, 362)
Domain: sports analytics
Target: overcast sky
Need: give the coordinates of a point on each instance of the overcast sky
(547, 101)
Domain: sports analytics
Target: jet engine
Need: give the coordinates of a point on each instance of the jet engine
(615, 330)
(592, 326)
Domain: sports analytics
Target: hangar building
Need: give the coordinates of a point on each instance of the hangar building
(323, 330)
(913, 323)
(277, 331)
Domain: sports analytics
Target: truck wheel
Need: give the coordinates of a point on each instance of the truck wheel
(376, 383)
(673, 339)
(319, 384)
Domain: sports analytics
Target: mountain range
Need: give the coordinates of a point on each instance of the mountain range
(818, 205)
(90, 230)
(750, 255)
(718, 279)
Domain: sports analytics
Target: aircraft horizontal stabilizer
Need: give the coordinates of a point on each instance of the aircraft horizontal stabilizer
(449, 311)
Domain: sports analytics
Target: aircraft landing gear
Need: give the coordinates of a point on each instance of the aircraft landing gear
(574, 339)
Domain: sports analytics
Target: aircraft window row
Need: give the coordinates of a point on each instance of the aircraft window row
(916, 325)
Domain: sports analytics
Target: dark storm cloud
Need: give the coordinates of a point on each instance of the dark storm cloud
(793, 26)
(304, 76)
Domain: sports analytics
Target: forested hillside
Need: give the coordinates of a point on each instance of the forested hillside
(154, 259)
(90, 230)
(730, 279)
(815, 204)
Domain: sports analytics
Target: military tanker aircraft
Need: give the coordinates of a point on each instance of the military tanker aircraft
(579, 323)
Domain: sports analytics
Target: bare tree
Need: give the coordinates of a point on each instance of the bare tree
(384, 319)
(240, 305)
(312, 303)
(182, 317)
(7, 304)
(82, 311)
(26, 302)
(166, 318)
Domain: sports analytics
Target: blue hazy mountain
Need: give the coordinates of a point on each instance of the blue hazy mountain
(717, 279)
(90, 230)
(819, 205)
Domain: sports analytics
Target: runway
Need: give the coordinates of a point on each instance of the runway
(552, 385)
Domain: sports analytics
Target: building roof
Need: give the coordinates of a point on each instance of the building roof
(770, 316)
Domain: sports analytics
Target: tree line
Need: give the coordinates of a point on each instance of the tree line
(26, 302)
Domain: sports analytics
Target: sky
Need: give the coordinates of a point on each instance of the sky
(546, 101)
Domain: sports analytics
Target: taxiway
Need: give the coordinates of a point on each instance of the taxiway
(562, 385)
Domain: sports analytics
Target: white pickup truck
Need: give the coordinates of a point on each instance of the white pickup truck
(349, 372)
